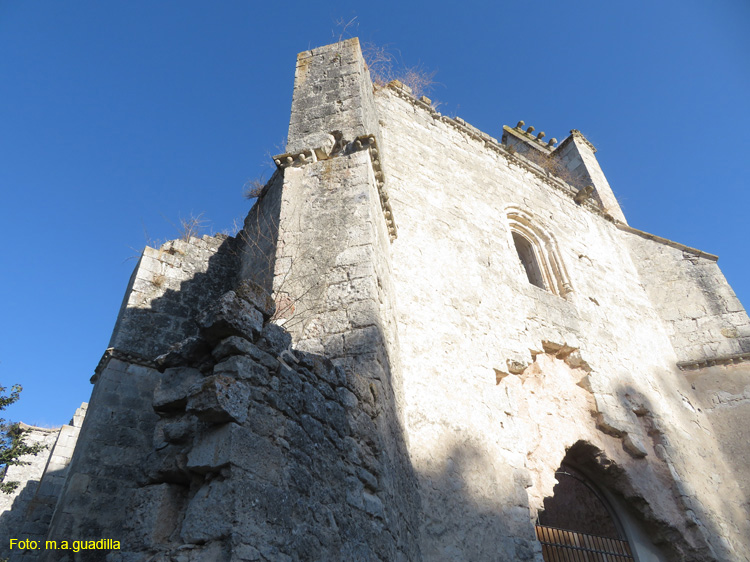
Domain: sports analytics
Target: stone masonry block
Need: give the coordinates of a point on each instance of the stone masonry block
(189, 351)
(210, 513)
(234, 345)
(257, 296)
(213, 450)
(634, 446)
(243, 368)
(230, 316)
(173, 388)
(154, 513)
(219, 398)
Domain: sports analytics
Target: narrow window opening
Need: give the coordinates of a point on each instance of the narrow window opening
(528, 259)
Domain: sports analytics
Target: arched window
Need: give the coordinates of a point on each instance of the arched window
(537, 253)
(529, 261)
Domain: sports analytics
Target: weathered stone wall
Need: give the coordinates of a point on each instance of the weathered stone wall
(332, 277)
(702, 315)
(249, 450)
(268, 454)
(250, 441)
(26, 513)
(14, 506)
(167, 290)
(31, 472)
(167, 286)
(469, 324)
(258, 240)
(578, 156)
(106, 468)
(723, 393)
(332, 93)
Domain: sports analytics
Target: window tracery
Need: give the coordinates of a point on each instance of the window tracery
(537, 253)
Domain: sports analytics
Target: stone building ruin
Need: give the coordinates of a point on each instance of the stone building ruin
(425, 344)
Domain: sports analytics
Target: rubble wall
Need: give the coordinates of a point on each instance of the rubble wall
(238, 444)
(167, 290)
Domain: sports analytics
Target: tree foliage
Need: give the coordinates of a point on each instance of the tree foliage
(12, 445)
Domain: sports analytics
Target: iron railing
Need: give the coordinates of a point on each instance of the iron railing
(559, 545)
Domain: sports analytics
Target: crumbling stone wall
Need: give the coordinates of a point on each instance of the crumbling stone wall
(167, 286)
(269, 454)
(252, 451)
(26, 513)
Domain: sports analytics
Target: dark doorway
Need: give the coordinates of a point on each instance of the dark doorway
(578, 524)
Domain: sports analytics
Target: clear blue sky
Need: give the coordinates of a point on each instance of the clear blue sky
(118, 118)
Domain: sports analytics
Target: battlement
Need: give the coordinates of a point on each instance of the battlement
(516, 135)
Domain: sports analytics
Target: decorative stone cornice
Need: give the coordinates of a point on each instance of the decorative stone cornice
(363, 142)
(127, 356)
(529, 137)
(295, 159)
(732, 359)
(493, 144)
(665, 241)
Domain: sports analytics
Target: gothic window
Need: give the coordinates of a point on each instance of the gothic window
(529, 260)
(537, 253)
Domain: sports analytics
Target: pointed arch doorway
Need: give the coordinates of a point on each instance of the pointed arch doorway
(578, 524)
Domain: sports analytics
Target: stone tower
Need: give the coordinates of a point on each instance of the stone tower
(425, 344)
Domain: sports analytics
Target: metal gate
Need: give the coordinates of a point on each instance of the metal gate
(559, 545)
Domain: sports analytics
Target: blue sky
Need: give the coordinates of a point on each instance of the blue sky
(119, 118)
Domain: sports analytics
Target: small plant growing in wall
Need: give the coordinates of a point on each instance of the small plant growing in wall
(191, 227)
(384, 68)
(12, 445)
(253, 188)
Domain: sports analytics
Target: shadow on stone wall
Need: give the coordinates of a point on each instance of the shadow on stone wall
(308, 463)
(117, 433)
(30, 514)
(652, 491)
(11, 521)
(168, 286)
(475, 507)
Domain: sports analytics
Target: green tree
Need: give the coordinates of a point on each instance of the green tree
(12, 446)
